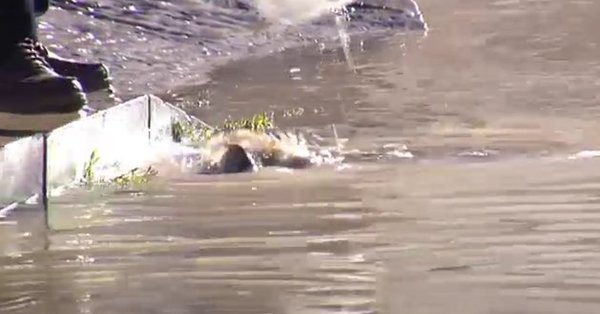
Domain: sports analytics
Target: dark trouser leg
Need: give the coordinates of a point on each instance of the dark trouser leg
(28, 85)
(41, 6)
(17, 21)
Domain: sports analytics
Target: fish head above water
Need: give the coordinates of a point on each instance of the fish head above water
(245, 150)
(235, 159)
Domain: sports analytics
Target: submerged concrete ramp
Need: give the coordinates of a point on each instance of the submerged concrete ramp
(123, 137)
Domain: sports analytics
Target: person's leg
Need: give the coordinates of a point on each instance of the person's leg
(28, 85)
(91, 76)
(17, 21)
(41, 6)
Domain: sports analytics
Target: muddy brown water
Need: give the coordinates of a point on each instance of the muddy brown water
(494, 212)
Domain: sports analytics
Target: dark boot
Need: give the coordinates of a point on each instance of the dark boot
(92, 76)
(28, 85)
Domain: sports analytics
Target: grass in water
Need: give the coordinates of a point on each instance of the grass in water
(134, 178)
(88, 168)
(197, 134)
(258, 123)
(180, 131)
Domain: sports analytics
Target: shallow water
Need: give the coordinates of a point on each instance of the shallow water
(462, 190)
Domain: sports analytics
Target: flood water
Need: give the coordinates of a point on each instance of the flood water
(469, 185)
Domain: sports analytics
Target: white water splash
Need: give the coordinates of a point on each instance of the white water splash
(297, 11)
(287, 148)
(413, 13)
(340, 21)
(586, 154)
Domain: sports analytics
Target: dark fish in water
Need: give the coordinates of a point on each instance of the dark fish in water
(246, 150)
(236, 159)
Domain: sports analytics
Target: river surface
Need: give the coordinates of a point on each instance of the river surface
(470, 183)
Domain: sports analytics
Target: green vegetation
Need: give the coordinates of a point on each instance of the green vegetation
(134, 178)
(197, 134)
(258, 123)
(88, 168)
(179, 131)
